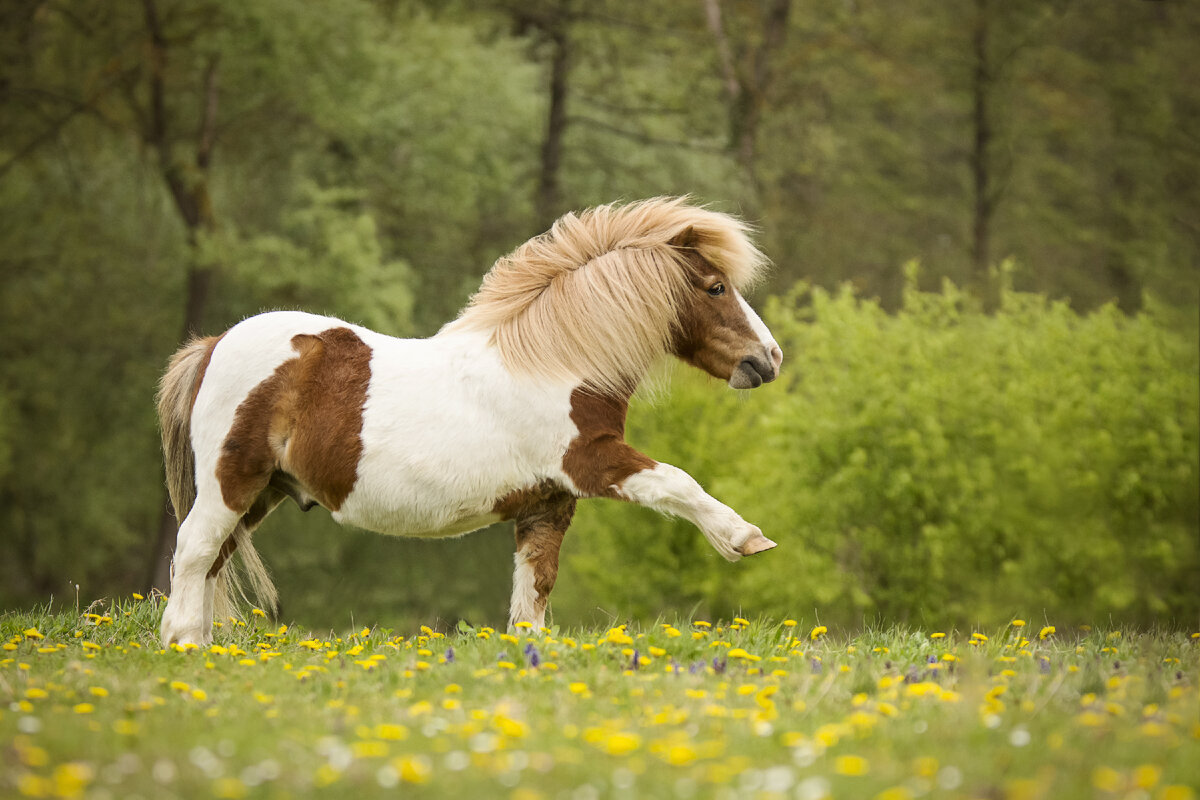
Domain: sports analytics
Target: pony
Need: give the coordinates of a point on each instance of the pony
(514, 411)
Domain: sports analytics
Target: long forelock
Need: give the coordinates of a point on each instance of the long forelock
(595, 299)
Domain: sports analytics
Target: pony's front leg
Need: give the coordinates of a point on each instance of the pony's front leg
(670, 490)
(539, 535)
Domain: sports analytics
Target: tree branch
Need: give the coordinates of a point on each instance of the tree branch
(643, 138)
(712, 15)
(207, 134)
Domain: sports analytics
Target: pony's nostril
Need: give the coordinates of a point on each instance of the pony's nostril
(776, 357)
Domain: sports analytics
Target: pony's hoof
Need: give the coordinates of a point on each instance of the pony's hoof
(755, 544)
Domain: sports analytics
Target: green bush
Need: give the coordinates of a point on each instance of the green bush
(935, 464)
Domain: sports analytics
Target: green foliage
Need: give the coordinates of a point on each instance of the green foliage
(936, 464)
(326, 258)
(370, 160)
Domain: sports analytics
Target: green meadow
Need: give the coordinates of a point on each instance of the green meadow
(92, 706)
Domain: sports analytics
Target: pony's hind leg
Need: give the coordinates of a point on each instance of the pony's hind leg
(539, 536)
(221, 590)
(187, 618)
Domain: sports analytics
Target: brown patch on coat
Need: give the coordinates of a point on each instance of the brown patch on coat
(713, 333)
(531, 501)
(543, 513)
(598, 459)
(305, 420)
(210, 344)
(539, 536)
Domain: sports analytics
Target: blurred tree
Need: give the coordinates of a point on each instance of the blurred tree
(747, 72)
(169, 166)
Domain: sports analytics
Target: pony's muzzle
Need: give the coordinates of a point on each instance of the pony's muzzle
(755, 370)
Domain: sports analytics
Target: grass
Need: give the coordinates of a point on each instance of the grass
(90, 705)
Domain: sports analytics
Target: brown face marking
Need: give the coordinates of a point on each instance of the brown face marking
(306, 420)
(713, 332)
(598, 459)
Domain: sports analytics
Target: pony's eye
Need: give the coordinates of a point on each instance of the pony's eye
(717, 289)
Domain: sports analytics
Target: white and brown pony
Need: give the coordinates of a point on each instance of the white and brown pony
(513, 411)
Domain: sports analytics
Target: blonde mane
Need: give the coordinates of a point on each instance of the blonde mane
(595, 299)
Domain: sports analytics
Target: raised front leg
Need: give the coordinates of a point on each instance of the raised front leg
(601, 464)
(539, 535)
(670, 490)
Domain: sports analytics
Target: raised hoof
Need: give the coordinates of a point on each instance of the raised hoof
(755, 544)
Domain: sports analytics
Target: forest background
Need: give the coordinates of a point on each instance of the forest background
(984, 217)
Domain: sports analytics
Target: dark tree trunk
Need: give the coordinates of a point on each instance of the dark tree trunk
(549, 191)
(984, 202)
(748, 79)
(188, 185)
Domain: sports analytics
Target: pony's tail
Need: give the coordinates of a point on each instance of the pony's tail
(231, 583)
(176, 396)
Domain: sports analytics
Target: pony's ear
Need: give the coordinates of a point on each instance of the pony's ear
(686, 239)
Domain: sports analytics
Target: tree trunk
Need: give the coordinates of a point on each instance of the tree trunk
(747, 84)
(981, 89)
(188, 186)
(549, 192)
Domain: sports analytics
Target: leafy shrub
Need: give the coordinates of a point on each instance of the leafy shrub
(938, 463)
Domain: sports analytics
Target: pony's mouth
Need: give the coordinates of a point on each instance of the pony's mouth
(753, 372)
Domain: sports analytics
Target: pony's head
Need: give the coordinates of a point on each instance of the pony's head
(603, 294)
(717, 330)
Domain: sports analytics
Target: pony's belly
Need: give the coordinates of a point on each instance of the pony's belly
(417, 522)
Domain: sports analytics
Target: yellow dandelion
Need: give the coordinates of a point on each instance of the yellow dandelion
(229, 788)
(1146, 776)
(622, 743)
(1046, 631)
(413, 769)
(84, 708)
(850, 765)
(1017, 623)
(818, 632)
(1106, 779)
(937, 635)
(126, 727)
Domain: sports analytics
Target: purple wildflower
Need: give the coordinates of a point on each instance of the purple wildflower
(531, 655)
(449, 655)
